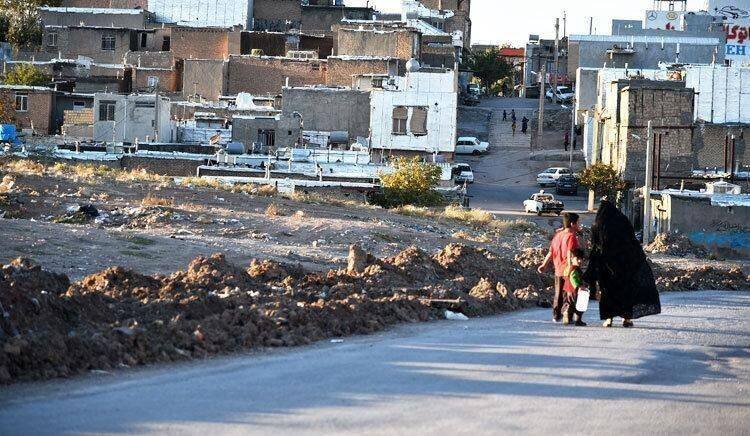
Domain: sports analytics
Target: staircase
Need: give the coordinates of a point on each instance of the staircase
(501, 133)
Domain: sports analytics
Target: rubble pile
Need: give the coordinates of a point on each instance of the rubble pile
(701, 278)
(531, 257)
(675, 245)
(52, 328)
(141, 217)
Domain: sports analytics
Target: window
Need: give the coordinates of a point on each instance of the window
(52, 39)
(145, 104)
(418, 124)
(153, 81)
(22, 102)
(107, 110)
(144, 40)
(108, 42)
(165, 44)
(79, 105)
(400, 115)
(377, 83)
(267, 137)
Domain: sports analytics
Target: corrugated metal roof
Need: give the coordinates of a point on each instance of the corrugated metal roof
(646, 39)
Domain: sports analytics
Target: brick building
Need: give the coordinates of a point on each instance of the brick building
(622, 127)
(314, 17)
(31, 107)
(459, 19)
(101, 44)
(267, 75)
(397, 42)
(205, 42)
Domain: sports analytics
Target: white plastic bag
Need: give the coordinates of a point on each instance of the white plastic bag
(582, 302)
(453, 316)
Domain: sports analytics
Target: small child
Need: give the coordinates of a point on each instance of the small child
(573, 285)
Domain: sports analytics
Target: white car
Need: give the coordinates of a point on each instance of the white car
(471, 145)
(466, 176)
(542, 203)
(549, 176)
(564, 94)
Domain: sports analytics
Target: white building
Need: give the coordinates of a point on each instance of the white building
(415, 115)
(722, 93)
(203, 13)
(132, 118)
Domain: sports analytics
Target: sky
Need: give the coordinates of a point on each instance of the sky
(499, 21)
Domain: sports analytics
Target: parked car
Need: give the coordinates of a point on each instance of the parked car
(464, 177)
(564, 95)
(474, 88)
(567, 184)
(471, 100)
(541, 203)
(549, 176)
(471, 145)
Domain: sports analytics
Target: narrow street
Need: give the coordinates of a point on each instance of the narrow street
(686, 371)
(506, 176)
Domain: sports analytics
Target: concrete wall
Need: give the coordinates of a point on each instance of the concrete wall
(245, 130)
(213, 13)
(132, 122)
(321, 19)
(86, 41)
(434, 91)
(327, 110)
(590, 51)
(341, 70)
(400, 43)
(276, 15)
(136, 19)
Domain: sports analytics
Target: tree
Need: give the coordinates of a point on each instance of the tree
(412, 183)
(603, 179)
(489, 67)
(26, 74)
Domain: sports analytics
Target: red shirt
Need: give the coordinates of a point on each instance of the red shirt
(563, 242)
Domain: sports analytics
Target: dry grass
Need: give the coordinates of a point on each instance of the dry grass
(273, 210)
(476, 217)
(150, 200)
(315, 198)
(24, 166)
(246, 188)
(417, 212)
(501, 227)
(469, 237)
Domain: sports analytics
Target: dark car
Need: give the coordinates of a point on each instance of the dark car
(567, 184)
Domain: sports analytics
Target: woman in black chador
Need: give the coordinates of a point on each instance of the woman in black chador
(619, 269)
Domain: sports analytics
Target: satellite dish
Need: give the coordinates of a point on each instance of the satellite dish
(413, 65)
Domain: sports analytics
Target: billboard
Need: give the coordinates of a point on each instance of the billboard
(664, 20)
(737, 26)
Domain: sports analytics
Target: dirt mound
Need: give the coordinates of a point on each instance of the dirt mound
(531, 257)
(702, 278)
(117, 283)
(675, 245)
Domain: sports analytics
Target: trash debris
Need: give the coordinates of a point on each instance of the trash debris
(337, 341)
(453, 316)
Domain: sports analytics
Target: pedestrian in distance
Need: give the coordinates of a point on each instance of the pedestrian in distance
(505, 115)
(513, 115)
(566, 140)
(513, 126)
(524, 125)
(563, 244)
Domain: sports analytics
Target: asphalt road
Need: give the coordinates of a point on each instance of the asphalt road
(686, 371)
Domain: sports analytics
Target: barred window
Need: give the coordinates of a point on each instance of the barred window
(418, 124)
(108, 42)
(107, 110)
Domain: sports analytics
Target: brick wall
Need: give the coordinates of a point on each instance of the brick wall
(199, 43)
(272, 43)
(205, 77)
(341, 70)
(79, 117)
(39, 114)
(267, 75)
(323, 45)
(168, 79)
(164, 167)
(709, 141)
(151, 59)
(321, 19)
(53, 18)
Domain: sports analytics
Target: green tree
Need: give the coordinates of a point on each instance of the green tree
(489, 67)
(412, 183)
(26, 74)
(603, 179)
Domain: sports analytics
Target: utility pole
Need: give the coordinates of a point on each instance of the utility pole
(591, 25)
(594, 161)
(557, 59)
(542, 84)
(565, 24)
(647, 186)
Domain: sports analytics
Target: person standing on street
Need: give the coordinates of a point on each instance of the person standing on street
(513, 115)
(566, 140)
(505, 115)
(524, 125)
(563, 243)
(513, 126)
